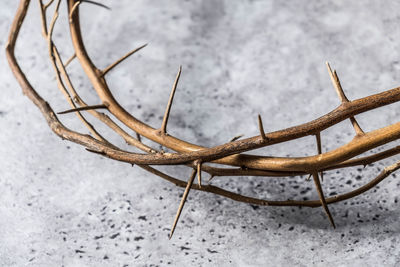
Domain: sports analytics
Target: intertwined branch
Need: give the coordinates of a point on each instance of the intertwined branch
(230, 156)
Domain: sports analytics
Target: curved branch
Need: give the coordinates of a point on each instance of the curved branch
(222, 153)
(264, 202)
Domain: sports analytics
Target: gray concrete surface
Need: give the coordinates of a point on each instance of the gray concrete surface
(62, 206)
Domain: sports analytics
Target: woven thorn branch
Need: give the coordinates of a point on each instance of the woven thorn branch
(229, 157)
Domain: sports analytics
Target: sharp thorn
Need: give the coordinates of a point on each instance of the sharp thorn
(261, 128)
(83, 108)
(322, 198)
(113, 65)
(170, 100)
(336, 83)
(182, 203)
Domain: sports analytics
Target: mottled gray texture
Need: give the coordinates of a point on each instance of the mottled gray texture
(60, 205)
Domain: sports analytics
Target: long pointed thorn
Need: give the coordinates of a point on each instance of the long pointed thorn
(342, 96)
(182, 203)
(261, 128)
(96, 4)
(83, 108)
(211, 177)
(113, 65)
(199, 173)
(319, 147)
(308, 178)
(171, 98)
(336, 84)
(322, 198)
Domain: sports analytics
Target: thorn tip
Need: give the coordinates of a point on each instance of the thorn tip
(170, 100)
(261, 128)
(182, 203)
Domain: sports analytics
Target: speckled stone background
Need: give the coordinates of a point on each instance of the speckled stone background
(62, 206)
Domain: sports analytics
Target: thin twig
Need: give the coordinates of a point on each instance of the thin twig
(73, 9)
(48, 4)
(69, 60)
(265, 202)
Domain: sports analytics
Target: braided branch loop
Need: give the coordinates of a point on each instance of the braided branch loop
(227, 159)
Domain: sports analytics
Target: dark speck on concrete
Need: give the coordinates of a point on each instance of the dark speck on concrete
(212, 251)
(114, 236)
(138, 238)
(142, 218)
